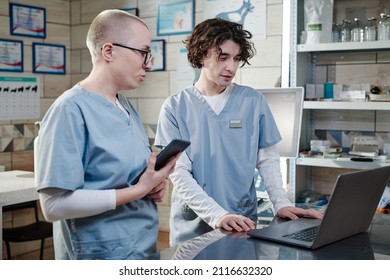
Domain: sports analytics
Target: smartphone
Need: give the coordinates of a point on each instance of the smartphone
(172, 149)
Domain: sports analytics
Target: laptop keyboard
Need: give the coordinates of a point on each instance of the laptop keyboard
(307, 235)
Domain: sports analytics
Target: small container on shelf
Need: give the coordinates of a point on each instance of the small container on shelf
(384, 27)
(357, 31)
(370, 30)
(336, 33)
(346, 31)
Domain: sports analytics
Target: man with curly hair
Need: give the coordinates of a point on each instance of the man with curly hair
(232, 132)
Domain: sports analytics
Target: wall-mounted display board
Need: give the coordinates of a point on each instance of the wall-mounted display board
(158, 55)
(48, 58)
(27, 20)
(251, 14)
(11, 55)
(175, 17)
(19, 98)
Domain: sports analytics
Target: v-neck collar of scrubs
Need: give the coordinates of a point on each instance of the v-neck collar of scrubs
(210, 110)
(218, 102)
(107, 103)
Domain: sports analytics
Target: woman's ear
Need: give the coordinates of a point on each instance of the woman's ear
(106, 52)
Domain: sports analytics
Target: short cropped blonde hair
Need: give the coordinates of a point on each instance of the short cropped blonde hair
(109, 26)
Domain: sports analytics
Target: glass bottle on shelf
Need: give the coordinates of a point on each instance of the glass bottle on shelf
(383, 27)
(336, 36)
(388, 26)
(370, 30)
(357, 32)
(346, 31)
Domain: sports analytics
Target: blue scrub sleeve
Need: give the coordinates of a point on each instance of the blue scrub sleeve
(60, 148)
(167, 126)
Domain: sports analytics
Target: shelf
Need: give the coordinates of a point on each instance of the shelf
(346, 105)
(349, 46)
(343, 63)
(334, 163)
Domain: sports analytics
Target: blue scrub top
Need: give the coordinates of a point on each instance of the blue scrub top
(85, 142)
(223, 151)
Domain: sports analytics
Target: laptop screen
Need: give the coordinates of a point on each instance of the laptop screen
(286, 105)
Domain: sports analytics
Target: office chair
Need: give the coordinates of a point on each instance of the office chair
(39, 230)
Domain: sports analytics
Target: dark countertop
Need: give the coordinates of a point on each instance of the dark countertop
(218, 245)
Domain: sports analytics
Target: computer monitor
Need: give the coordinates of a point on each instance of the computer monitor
(286, 105)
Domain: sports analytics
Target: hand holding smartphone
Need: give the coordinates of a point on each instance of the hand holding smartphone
(174, 147)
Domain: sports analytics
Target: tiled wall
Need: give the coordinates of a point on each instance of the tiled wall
(353, 68)
(17, 137)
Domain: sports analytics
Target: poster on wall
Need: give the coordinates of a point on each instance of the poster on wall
(158, 55)
(19, 98)
(175, 17)
(250, 13)
(27, 20)
(11, 55)
(48, 58)
(186, 74)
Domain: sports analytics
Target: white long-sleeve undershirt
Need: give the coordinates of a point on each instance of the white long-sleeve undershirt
(268, 163)
(59, 204)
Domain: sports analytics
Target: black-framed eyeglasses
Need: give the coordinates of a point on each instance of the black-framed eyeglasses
(146, 53)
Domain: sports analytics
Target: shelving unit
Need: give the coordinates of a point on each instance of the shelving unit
(341, 47)
(346, 105)
(319, 63)
(335, 163)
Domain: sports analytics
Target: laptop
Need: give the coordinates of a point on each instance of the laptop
(350, 211)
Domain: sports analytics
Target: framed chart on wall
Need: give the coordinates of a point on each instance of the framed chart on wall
(20, 98)
(175, 17)
(27, 20)
(158, 55)
(11, 55)
(48, 58)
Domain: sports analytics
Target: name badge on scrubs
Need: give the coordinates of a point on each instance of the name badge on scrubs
(235, 123)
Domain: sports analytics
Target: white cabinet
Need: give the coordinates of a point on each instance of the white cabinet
(342, 63)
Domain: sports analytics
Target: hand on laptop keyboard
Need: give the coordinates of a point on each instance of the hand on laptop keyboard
(295, 212)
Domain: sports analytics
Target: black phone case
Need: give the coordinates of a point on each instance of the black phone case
(173, 148)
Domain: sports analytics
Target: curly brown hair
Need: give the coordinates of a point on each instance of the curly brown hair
(213, 33)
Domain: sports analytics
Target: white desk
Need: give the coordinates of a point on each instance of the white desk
(15, 186)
